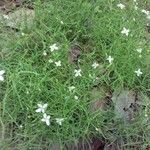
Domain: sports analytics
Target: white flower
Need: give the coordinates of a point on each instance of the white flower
(1, 75)
(59, 121)
(41, 108)
(139, 50)
(138, 72)
(71, 88)
(146, 12)
(58, 63)
(44, 53)
(53, 47)
(6, 16)
(23, 34)
(61, 22)
(50, 61)
(95, 65)
(46, 119)
(125, 31)
(148, 17)
(27, 92)
(121, 6)
(76, 97)
(110, 59)
(77, 72)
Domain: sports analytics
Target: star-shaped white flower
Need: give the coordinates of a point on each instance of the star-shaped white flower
(77, 72)
(71, 88)
(46, 119)
(148, 17)
(125, 31)
(110, 59)
(61, 22)
(50, 61)
(59, 121)
(146, 12)
(21, 126)
(1, 75)
(23, 34)
(76, 97)
(95, 65)
(138, 72)
(53, 47)
(139, 50)
(6, 17)
(41, 108)
(121, 6)
(44, 53)
(58, 63)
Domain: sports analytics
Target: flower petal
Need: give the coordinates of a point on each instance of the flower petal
(1, 78)
(45, 105)
(39, 105)
(47, 122)
(38, 110)
(2, 72)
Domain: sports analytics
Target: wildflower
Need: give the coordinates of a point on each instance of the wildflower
(145, 12)
(125, 31)
(77, 72)
(95, 65)
(61, 22)
(50, 61)
(41, 108)
(23, 34)
(121, 6)
(27, 92)
(76, 97)
(6, 16)
(110, 59)
(58, 63)
(46, 119)
(138, 72)
(44, 53)
(1, 75)
(71, 88)
(59, 121)
(139, 50)
(53, 47)
(140, 56)
(21, 126)
(148, 17)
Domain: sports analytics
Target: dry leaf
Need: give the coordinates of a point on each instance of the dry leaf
(123, 100)
(20, 18)
(74, 54)
(99, 98)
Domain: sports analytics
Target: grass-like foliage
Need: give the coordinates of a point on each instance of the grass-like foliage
(38, 71)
